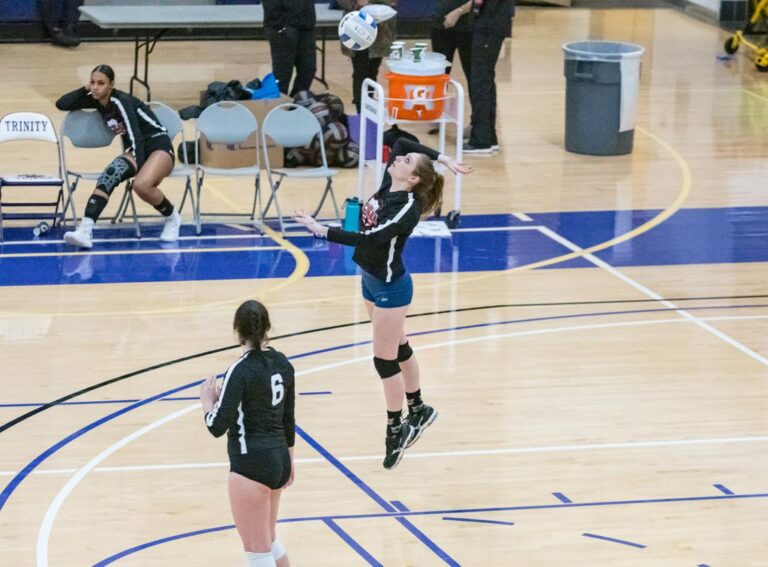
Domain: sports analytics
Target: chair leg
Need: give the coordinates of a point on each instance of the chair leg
(71, 201)
(333, 199)
(255, 197)
(277, 206)
(187, 191)
(1, 215)
(274, 186)
(196, 203)
(120, 213)
(135, 216)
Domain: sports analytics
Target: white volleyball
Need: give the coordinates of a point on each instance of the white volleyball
(357, 30)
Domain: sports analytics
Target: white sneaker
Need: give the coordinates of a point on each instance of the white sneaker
(171, 228)
(82, 237)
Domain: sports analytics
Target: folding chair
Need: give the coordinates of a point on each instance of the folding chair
(32, 126)
(85, 129)
(227, 123)
(171, 121)
(291, 126)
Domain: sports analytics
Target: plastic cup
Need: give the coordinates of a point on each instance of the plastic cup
(416, 53)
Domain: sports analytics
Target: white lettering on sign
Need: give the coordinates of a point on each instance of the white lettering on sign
(419, 95)
(25, 125)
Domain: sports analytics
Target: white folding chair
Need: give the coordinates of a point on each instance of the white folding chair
(171, 121)
(292, 126)
(85, 129)
(227, 123)
(32, 126)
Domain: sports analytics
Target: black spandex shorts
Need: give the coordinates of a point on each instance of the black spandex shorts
(270, 467)
(160, 142)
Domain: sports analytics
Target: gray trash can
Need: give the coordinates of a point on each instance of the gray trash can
(601, 90)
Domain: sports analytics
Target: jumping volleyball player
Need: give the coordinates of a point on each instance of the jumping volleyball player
(255, 405)
(147, 153)
(410, 189)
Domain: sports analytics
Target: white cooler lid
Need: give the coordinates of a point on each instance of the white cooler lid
(430, 65)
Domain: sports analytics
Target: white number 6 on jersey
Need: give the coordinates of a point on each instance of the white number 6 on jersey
(278, 391)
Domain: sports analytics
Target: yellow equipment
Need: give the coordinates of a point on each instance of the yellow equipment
(758, 19)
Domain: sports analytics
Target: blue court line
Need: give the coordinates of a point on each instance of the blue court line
(373, 495)
(132, 550)
(621, 541)
(32, 465)
(337, 517)
(562, 497)
(352, 543)
(400, 506)
(723, 489)
(479, 521)
(323, 393)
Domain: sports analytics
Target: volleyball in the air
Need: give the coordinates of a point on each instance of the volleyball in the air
(357, 30)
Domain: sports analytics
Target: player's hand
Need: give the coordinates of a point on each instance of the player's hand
(451, 18)
(209, 393)
(454, 166)
(312, 225)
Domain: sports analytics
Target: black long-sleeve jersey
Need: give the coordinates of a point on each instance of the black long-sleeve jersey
(256, 403)
(388, 219)
(125, 115)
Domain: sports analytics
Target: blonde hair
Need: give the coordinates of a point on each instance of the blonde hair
(429, 189)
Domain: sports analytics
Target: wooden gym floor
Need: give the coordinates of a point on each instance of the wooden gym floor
(593, 335)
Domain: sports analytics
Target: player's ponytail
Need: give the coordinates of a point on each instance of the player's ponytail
(429, 189)
(252, 323)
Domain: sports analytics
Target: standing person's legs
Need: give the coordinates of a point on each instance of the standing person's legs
(485, 53)
(251, 508)
(282, 48)
(463, 42)
(359, 73)
(278, 552)
(442, 42)
(71, 17)
(49, 12)
(306, 61)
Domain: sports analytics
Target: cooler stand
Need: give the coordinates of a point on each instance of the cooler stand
(374, 107)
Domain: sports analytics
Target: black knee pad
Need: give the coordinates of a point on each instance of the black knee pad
(119, 170)
(386, 368)
(404, 352)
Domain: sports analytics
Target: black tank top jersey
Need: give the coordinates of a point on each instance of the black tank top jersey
(256, 403)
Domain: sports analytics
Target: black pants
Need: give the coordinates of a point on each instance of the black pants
(292, 47)
(448, 42)
(363, 67)
(56, 19)
(482, 89)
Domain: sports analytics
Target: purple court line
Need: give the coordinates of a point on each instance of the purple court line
(323, 393)
(499, 522)
(562, 497)
(613, 540)
(374, 496)
(352, 543)
(723, 489)
(338, 517)
(400, 506)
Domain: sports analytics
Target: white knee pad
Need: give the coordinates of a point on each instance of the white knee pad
(277, 549)
(259, 559)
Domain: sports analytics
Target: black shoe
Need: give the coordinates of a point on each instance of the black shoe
(73, 38)
(58, 38)
(473, 149)
(434, 130)
(396, 445)
(420, 420)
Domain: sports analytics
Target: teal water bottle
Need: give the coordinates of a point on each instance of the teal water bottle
(352, 214)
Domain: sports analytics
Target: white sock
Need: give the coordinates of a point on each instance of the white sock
(277, 549)
(86, 224)
(260, 559)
